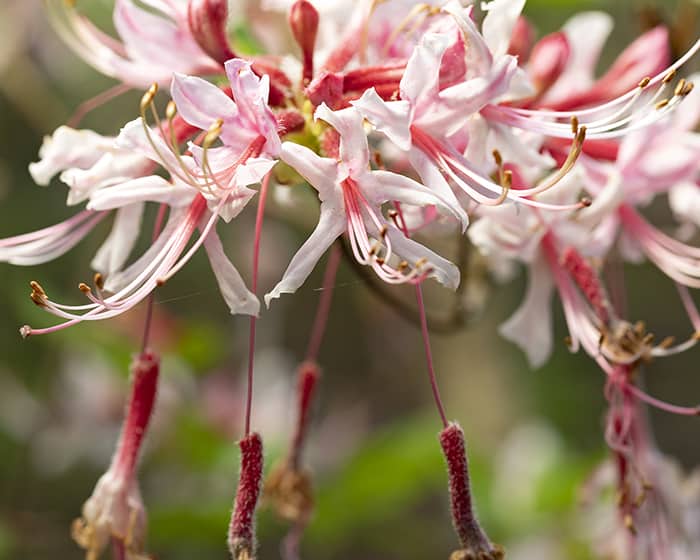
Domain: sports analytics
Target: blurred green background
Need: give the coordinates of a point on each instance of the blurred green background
(534, 437)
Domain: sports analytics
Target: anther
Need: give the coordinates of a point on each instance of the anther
(667, 342)
(170, 110)
(147, 98)
(403, 265)
(36, 287)
(669, 77)
(661, 104)
(498, 158)
(420, 263)
(99, 281)
(574, 125)
(383, 231)
(83, 287)
(25, 331)
(585, 202)
(629, 524)
(689, 86)
(680, 86)
(213, 133)
(644, 83)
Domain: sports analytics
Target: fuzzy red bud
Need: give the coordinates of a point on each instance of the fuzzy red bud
(241, 537)
(207, 20)
(303, 20)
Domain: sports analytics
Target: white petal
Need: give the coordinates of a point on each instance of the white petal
(421, 80)
(321, 173)
(353, 141)
(152, 188)
(200, 102)
(331, 224)
(114, 252)
(442, 270)
(499, 22)
(387, 186)
(66, 148)
(239, 299)
(530, 327)
(685, 202)
(391, 118)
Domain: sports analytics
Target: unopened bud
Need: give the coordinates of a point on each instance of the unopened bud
(522, 39)
(207, 20)
(548, 59)
(303, 20)
(241, 537)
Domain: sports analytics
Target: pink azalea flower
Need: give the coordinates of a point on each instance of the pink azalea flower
(351, 200)
(153, 43)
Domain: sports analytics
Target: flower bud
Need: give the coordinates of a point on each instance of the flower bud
(522, 38)
(549, 59)
(303, 20)
(207, 20)
(241, 537)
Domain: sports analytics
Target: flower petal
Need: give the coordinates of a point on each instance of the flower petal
(530, 327)
(239, 299)
(114, 252)
(354, 150)
(321, 173)
(391, 118)
(499, 22)
(200, 102)
(152, 188)
(331, 224)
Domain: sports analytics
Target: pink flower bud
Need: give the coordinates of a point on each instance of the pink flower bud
(207, 20)
(326, 88)
(548, 59)
(475, 543)
(303, 20)
(241, 537)
(522, 39)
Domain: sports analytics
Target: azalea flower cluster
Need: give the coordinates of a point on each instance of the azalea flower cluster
(405, 118)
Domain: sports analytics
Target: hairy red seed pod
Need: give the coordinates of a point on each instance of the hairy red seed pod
(144, 386)
(588, 282)
(303, 20)
(548, 59)
(241, 537)
(308, 376)
(475, 543)
(207, 20)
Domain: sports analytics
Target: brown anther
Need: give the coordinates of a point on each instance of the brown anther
(629, 524)
(420, 263)
(99, 281)
(170, 110)
(383, 231)
(160, 282)
(38, 299)
(667, 342)
(83, 287)
(669, 77)
(689, 86)
(147, 98)
(648, 338)
(36, 287)
(574, 125)
(568, 341)
(393, 214)
(581, 135)
(507, 181)
(380, 261)
(661, 104)
(498, 158)
(403, 265)
(585, 202)
(680, 86)
(639, 328)
(374, 249)
(645, 82)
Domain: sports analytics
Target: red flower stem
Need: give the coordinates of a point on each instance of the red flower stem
(324, 304)
(253, 320)
(425, 333)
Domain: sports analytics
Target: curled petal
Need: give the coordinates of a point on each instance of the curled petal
(114, 252)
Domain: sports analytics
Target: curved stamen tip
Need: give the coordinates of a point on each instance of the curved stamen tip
(25, 331)
(99, 280)
(83, 287)
(213, 133)
(170, 110)
(669, 77)
(147, 98)
(574, 125)
(38, 295)
(36, 287)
